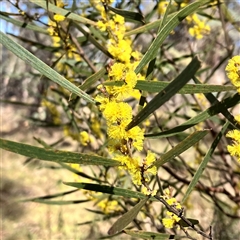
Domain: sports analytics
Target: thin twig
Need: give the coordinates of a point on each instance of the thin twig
(179, 214)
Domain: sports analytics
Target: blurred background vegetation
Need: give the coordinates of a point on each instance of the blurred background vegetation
(36, 111)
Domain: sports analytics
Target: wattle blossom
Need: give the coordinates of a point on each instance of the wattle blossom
(233, 71)
(123, 143)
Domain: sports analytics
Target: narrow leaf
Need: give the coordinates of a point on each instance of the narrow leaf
(93, 79)
(22, 104)
(53, 8)
(205, 161)
(82, 174)
(50, 196)
(67, 202)
(171, 89)
(184, 224)
(127, 218)
(213, 110)
(211, 98)
(38, 45)
(147, 27)
(91, 39)
(153, 87)
(132, 16)
(165, 31)
(181, 147)
(55, 155)
(43, 68)
(109, 190)
(23, 24)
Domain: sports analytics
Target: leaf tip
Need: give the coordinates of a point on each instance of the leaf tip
(111, 231)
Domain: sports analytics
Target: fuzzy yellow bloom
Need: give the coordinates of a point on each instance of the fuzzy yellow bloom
(199, 27)
(53, 110)
(117, 132)
(101, 9)
(96, 127)
(198, 30)
(84, 138)
(117, 112)
(162, 6)
(108, 206)
(152, 170)
(168, 222)
(136, 134)
(131, 79)
(136, 177)
(234, 134)
(148, 192)
(103, 101)
(102, 26)
(234, 149)
(51, 30)
(58, 18)
(132, 165)
(136, 55)
(56, 41)
(233, 71)
(117, 71)
(121, 51)
(123, 92)
(151, 157)
(118, 19)
(173, 202)
(60, 3)
(171, 220)
(237, 118)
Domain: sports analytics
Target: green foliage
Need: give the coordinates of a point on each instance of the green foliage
(163, 143)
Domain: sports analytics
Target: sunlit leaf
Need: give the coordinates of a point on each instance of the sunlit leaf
(128, 15)
(50, 196)
(165, 31)
(60, 202)
(93, 79)
(61, 11)
(205, 161)
(127, 218)
(109, 190)
(181, 147)
(154, 87)
(26, 25)
(43, 68)
(201, 117)
(55, 155)
(169, 91)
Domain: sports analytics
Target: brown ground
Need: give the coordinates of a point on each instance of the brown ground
(31, 220)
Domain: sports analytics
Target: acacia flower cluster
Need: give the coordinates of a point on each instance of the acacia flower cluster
(61, 39)
(198, 27)
(117, 112)
(233, 71)
(109, 206)
(53, 110)
(172, 218)
(234, 149)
